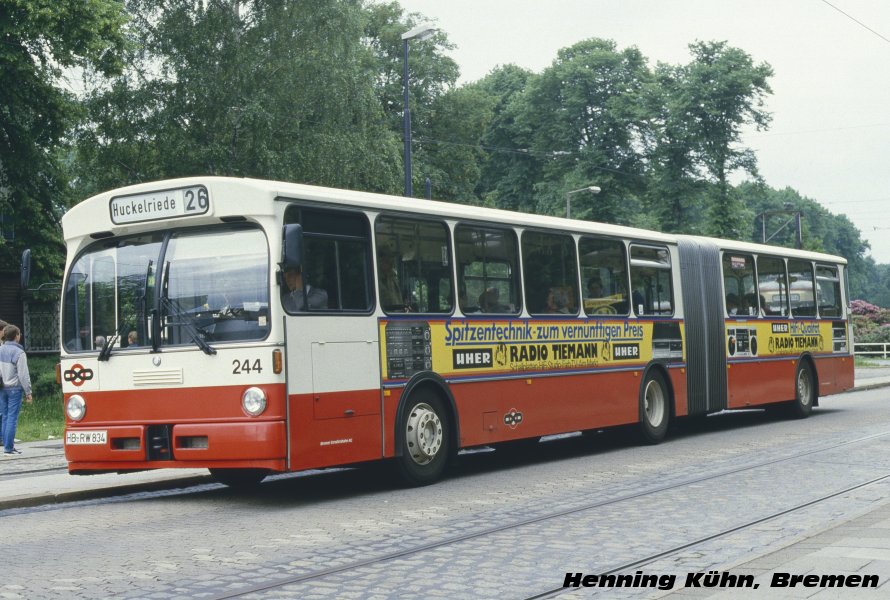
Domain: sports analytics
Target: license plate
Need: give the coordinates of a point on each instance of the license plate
(73, 438)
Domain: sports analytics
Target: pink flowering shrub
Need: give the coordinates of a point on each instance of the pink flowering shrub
(871, 323)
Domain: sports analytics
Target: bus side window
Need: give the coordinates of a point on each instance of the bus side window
(652, 290)
(773, 286)
(550, 273)
(336, 260)
(802, 290)
(828, 292)
(413, 265)
(739, 285)
(604, 276)
(488, 270)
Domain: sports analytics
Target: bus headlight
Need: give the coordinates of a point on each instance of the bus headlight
(76, 407)
(253, 401)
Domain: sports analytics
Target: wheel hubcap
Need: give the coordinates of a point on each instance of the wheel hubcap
(423, 433)
(803, 388)
(654, 404)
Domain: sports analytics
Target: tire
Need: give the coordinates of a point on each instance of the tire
(804, 391)
(239, 478)
(655, 408)
(425, 440)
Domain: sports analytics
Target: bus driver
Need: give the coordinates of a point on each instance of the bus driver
(294, 299)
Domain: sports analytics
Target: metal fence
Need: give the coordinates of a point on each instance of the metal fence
(41, 323)
(872, 349)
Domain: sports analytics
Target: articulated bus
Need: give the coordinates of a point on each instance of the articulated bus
(253, 327)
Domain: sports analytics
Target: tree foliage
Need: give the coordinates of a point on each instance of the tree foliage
(39, 39)
(583, 112)
(311, 91)
(282, 90)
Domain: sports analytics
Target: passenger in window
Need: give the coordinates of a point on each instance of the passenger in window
(464, 301)
(99, 342)
(732, 304)
(390, 290)
(621, 292)
(557, 301)
(132, 339)
(489, 300)
(594, 288)
(749, 304)
(295, 297)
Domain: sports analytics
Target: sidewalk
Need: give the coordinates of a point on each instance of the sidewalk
(39, 481)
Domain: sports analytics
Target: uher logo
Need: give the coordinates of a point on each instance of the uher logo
(625, 351)
(472, 359)
(77, 375)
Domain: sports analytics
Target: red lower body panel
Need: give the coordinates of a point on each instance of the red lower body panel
(835, 374)
(335, 428)
(548, 405)
(754, 383)
(207, 428)
(254, 444)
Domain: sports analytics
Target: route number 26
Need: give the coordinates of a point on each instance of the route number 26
(242, 367)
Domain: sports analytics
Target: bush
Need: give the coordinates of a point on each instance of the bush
(45, 417)
(871, 323)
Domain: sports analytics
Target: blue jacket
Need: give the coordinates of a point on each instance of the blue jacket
(14, 367)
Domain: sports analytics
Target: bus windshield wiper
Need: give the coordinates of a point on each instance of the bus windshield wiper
(183, 321)
(105, 352)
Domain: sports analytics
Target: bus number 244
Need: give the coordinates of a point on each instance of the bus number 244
(243, 367)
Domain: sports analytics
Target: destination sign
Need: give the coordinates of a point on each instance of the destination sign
(165, 204)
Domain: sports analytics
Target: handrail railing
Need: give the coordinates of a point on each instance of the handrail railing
(874, 349)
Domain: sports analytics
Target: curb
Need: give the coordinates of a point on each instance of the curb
(868, 386)
(49, 498)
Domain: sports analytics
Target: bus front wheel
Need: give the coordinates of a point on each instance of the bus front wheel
(655, 408)
(425, 439)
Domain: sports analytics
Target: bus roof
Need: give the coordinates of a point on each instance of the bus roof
(750, 248)
(228, 199)
(228, 194)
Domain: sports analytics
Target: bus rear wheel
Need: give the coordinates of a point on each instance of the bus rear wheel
(425, 440)
(804, 391)
(655, 408)
(239, 478)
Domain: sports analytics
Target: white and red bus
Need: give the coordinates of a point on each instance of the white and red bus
(253, 327)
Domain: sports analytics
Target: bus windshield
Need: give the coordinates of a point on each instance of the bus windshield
(213, 283)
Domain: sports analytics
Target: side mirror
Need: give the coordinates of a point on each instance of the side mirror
(26, 269)
(292, 248)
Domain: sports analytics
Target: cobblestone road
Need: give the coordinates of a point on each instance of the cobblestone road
(212, 541)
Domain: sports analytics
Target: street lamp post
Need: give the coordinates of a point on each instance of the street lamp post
(590, 188)
(421, 32)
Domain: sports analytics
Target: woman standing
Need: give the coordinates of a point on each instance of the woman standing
(16, 385)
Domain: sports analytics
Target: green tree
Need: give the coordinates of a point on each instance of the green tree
(719, 93)
(432, 76)
(509, 169)
(585, 112)
(41, 39)
(676, 194)
(280, 90)
(450, 154)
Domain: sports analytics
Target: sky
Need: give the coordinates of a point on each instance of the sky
(830, 134)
